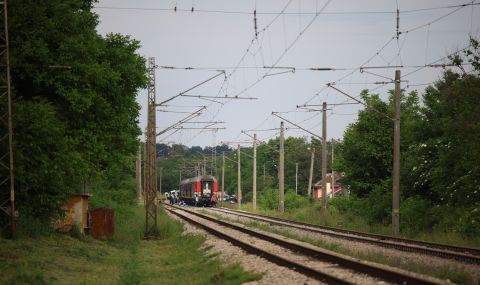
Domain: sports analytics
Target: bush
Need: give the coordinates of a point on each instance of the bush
(268, 200)
(465, 222)
(342, 204)
(376, 207)
(294, 201)
(33, 227)
(470, 222)
(247, 197)
(415, 215)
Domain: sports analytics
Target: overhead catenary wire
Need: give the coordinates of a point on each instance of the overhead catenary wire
(296, 125)
(249, 13)
(378, 83)
(286, 49)
(360, 102)
(404, 33)
(191, 88)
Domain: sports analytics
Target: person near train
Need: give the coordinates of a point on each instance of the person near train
(213, 200)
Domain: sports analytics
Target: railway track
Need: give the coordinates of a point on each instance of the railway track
(464, 254)
(312, 261)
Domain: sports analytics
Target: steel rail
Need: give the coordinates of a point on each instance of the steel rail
(318, 275)
(465, 254)
(373, 270)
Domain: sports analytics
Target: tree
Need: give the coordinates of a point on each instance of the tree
(75, 114)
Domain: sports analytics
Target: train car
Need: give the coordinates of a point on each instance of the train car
(203, 187)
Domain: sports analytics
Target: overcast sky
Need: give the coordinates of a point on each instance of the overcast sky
(343, 36)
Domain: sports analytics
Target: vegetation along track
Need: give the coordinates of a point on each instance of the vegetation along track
(341, 262)
(464, 254)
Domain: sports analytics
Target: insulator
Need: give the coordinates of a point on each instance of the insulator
(255, 21)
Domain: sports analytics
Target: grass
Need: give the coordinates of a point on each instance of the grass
(128, 259)
(456, 275)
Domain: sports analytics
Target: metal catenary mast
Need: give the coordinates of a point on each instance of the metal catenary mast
(151, 158)
(7, 191)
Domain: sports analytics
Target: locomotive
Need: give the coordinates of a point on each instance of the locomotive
(203, 187)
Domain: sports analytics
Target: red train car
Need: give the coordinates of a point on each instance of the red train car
(202, 187)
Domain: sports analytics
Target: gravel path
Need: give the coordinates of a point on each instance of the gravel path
(274, 274)
(400, 259)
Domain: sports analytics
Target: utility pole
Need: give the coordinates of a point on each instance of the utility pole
(204, 172)
(239, 179)
(310, 177)
(151, 230)
(296, 178)
(263, 176)
(7, 190)
(138, 168)
(254, 183)
(333, 172)
(281, 172)
(396, 160)
(145, 169)
(160, 181)
(324, 157)
(223, 176)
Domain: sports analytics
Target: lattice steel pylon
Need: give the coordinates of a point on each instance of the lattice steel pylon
(151, 230)
(7, 192)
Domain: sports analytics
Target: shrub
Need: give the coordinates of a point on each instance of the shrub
(376, 207)
(342, 204)
(415, 215)
(294, 201)
(268, 200)
(247, 197)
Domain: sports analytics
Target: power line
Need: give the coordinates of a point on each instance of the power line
(191, 88)
(457, 8)
(315, 135)
(360, 102)
(233, 12)
(287, 48)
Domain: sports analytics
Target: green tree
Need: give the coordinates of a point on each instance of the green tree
(75, 114)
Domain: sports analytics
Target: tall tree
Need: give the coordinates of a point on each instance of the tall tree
(75, 110)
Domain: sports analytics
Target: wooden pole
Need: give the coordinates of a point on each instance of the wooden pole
(254, 183)
(239, 179)
(324, 157)
(138, 168)
(281, 172)
(223, 176)
(333, 173)
(310, 178)
(396, 160)
(296, 178)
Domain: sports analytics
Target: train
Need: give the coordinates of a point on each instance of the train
(203, 186)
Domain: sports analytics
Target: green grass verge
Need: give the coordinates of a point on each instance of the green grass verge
(128, 259)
